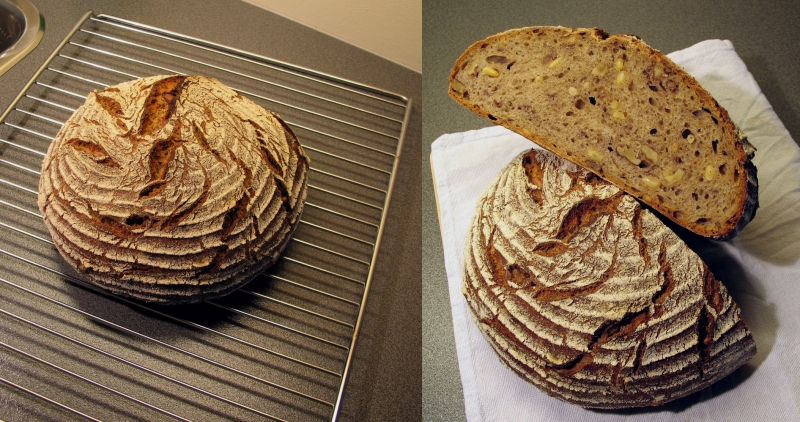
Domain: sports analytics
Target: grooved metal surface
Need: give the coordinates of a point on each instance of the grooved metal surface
(278, 349)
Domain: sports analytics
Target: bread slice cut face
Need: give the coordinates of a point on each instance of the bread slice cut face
(589, 296)
(616, 106)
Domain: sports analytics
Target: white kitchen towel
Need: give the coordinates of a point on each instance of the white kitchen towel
(760, 267)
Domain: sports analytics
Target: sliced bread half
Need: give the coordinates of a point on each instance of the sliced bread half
(616, 106)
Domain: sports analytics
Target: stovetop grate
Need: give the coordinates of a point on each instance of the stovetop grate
(278, 349)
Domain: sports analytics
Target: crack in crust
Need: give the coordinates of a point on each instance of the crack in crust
(160, 104)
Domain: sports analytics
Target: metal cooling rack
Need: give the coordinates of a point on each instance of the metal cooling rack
(278, 349)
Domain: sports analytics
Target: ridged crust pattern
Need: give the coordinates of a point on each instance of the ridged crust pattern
(591, 297)
(614, 105)
(172, 189)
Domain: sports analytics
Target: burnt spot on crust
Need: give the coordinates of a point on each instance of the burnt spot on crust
(601, 34)
(160, 104)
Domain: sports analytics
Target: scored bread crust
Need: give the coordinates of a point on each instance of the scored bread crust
(172, 189)
(614, 105)
(589, 296)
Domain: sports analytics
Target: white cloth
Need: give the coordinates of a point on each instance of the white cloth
(760, 267)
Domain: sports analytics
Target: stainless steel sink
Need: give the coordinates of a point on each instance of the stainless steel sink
(21, 29)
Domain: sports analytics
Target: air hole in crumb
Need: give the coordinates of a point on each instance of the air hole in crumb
(695, 196)
(702, 220)
(491, 117)
(715, 120)
(714, 145)
(592, 100)
(696, 153)
(651, 101)
(610, 149)
(667, 110)
(686, 133)
(697, 113)
(722, 169)
(736, 175)
(570, 114)
(705, 196)
(653, 131)
(677, 215)
(579, 104)
(653, 88)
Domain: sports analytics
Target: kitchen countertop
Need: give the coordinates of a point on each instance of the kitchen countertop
(385, 377)
(765, 34)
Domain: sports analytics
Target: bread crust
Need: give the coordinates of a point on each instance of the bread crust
(494, 97)
(172, 189)
(589, 296)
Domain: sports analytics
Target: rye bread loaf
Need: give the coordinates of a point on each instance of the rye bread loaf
(614, 105)
(172, 189)
(589, 296)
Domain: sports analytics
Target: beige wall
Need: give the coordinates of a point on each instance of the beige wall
(389, 28)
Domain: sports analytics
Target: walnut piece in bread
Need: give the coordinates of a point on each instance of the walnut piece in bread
(589, 296)
(172, 189)
(616, 106)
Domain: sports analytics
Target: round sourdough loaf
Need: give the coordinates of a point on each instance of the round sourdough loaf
(172, 189)
(589, 296)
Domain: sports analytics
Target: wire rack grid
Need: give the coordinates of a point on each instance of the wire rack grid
(281, 347)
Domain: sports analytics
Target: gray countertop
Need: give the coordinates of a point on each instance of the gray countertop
(765, 34)
(386, 373)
